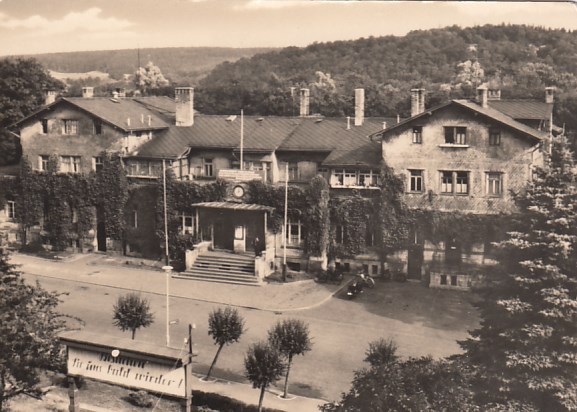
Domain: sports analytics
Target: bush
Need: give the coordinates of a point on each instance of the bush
(400, 277)
(222, 403)
(142, 399)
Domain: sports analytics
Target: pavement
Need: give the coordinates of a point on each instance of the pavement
(102, 270)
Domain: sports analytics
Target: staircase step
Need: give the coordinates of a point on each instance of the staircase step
(221, 271)
(218, 279)
(233, 259)
(224, 266)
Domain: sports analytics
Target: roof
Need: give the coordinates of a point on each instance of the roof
(489, 112)
(523, 109)
(81, 337)
(119, 112)
(267, 134)
(247, 207)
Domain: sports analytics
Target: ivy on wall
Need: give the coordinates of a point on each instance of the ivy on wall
(317, 218)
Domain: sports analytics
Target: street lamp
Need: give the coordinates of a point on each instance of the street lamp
(168, 271)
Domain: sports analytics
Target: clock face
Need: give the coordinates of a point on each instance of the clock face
(238, 191)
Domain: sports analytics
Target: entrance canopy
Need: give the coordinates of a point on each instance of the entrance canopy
(249, 207)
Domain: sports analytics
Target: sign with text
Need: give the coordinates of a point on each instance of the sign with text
(127, 371)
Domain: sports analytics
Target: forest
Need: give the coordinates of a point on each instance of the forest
(448, 62)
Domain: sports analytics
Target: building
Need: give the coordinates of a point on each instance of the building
(465, 156)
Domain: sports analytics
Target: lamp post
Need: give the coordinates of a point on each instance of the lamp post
(168, 271)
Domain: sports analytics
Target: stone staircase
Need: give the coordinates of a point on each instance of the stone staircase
(223, 267)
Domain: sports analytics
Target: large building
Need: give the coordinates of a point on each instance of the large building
(465, 156)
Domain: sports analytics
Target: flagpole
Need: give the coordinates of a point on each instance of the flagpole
(241, 139)
(167, 268)
(285, 222)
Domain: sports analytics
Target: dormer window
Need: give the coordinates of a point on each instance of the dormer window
(97, 127)
(44, 126)
(455, 135)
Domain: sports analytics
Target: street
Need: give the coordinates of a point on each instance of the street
(422, 321)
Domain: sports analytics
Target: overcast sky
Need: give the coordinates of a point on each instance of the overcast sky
(44, 26)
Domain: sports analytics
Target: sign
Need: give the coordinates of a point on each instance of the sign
(127, 371)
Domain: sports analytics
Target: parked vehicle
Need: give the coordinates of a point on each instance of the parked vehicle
(358, 284)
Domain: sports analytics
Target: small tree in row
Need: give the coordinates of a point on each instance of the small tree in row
(290, 337)
(264, 365)
(225, 326)
(132, 312)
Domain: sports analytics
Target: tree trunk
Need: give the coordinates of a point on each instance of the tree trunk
(2, 386)
(133, 333)
(260, 399)
(214, 361)
(288, 369)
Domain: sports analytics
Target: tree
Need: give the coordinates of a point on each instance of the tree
(132, 312)
(392, 214)
(290, 337)
(225, 326)
(23, 83)
(264, 365)
(417, 384)
(149, 78)
(29, 325)
(525, 347)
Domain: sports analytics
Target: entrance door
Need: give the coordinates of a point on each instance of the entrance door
(415, 261)
(223, 232)
(453, 253)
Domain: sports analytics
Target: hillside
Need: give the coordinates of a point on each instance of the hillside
(183, 65)
(448, 62)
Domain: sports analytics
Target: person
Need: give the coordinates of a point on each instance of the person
(257, 247)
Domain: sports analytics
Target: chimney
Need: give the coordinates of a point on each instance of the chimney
(384, 125)
(184, 98)
(359, 106)
(49, 97)
(87, 92)
(120, 92)
(305, 102)
(417, 101)
(549, 94)
(494, 94)
(482, 96)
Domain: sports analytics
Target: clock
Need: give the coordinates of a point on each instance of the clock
(238, 191)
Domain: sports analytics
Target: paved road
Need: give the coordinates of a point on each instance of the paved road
(421, 321)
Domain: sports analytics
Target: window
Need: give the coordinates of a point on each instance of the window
(147, 168)
(355, 178)
(207, 168)
(97, 127)
(494, 137)
(339, 234)
(494, 184)
(462, 183)
(370, 236)
(456, 135)
(418, 134)
(293, 171)
(293, 233)
(97, 164)
(446, 182)
(44, 126)
(416, 182)
(339, 177)
(368, 178)
(70, 164)
(10, 209)
(455, 182)
(70, 127)
(133, 219)
(187, 224)
(43, 162)
(350, 178)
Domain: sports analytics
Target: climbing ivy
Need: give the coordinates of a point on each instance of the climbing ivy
(317, 218)
(349, 217)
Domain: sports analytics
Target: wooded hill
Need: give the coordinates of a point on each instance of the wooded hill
(182, 65)
(448, 62)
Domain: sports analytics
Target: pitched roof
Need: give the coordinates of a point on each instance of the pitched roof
(489, 112)
(119, 112)
(523, 109)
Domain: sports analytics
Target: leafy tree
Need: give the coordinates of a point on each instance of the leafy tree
(264, 366)
(526, 345)
(29, 325)
(318, 218)
(392, 213)
(226, 326)
(149, 78)
(132, 312)
(290, 337)
(23, 83)
(415, 385)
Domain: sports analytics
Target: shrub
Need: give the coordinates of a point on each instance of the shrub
(142, 399)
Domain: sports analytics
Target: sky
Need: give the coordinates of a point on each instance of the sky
(47, 26)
